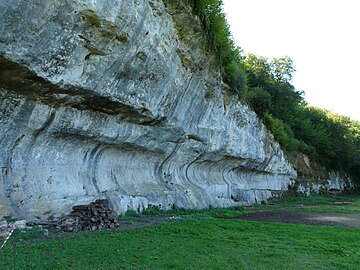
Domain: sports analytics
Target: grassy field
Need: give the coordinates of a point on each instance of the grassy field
(196, 241)
(316, 203)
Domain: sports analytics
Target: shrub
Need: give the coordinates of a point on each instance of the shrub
(219, 38)
(259, 100)
(281, 131)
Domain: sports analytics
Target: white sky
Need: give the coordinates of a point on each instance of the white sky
(321, 36)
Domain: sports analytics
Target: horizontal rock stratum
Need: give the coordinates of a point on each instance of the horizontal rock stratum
(122, 100)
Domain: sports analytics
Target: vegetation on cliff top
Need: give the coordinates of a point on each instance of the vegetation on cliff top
(219, 38)
(328, 139)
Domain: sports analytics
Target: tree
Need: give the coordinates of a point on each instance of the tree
(329, 139)
(259, 100)
(273, 77)
(258, 70)
(282, 68)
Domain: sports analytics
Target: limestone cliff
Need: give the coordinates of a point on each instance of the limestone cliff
(122, 100)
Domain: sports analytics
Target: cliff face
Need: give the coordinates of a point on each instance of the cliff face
(122, 100)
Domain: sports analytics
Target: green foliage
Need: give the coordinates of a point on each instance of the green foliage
(331, 140)
(343, 139)
(282, 68)
(219, 38)
(235, 76)
(259, 100)
(333, 137)
(274, 78)
(258, 71)
(282, 132)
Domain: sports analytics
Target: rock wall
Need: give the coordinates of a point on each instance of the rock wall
(334, 183)
(122, 100)
(314, 178)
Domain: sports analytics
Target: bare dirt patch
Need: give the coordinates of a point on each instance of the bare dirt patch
(307, 218)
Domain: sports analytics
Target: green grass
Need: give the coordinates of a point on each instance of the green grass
(353, 208)
(195, 242)
(316, 203)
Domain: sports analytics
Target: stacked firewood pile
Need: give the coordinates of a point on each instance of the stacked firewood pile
(91, 217)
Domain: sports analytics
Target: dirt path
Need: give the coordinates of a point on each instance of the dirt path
(307, 218)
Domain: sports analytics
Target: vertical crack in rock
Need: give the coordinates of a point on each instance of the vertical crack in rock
(116, 182)
(180, 97)
(161, 172)
(94, 156)
(45, 126)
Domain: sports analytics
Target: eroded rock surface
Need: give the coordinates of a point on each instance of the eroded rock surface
(122, 100)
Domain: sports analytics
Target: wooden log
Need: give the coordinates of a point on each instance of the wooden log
(103, 202)
(80, 207)
(93, 219)
(94, 216)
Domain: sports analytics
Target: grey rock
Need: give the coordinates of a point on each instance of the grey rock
(109, 99)
(335, 183)
(3, 225)
(20, 224)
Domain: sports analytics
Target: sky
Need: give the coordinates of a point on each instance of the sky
(321, 37)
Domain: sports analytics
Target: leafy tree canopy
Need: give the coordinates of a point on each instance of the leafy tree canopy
(327, 138)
